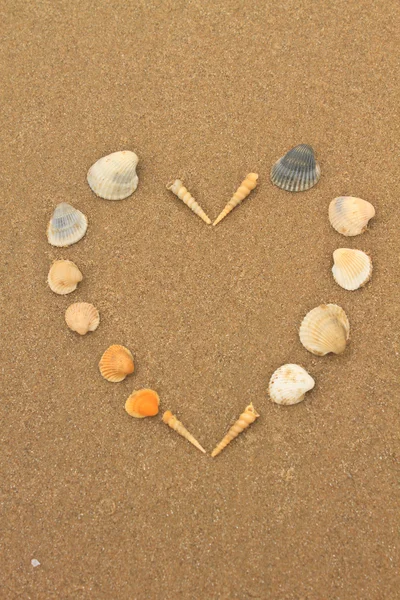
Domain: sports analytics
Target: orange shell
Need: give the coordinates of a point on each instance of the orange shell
(116, 363)
(142, 403)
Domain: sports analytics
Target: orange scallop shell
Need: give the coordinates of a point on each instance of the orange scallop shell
(116, 363)
(142, 403)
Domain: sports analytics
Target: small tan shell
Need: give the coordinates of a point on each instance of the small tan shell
(116, 363)
(350, 215)
(179, 190)
(66, 226)
(170, 420)
(245, 419)
(113, 177)
(142, 403)
(352, 268)
(241, 193)
(82, 317)
(63, 277)
(289, 384)
(325, 329)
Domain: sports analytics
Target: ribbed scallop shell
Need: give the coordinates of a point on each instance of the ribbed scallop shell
(352, 268)
(113, 177)
(350, 215)
(325, 329)
(116, 363)
(67, 226)
(297, 171)
(289, 384)
(142, 403)
(82, 317)
(63, 277)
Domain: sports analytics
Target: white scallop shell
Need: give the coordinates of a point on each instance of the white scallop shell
(350, 215)
(82, 317)
(113, 177)
(289, 384)
(67, 225)
(352, 268)
(64, 277)
(325, 329)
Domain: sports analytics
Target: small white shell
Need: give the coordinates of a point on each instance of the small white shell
(82, 317)
(350, 215)
(113, 177)
(352, 268)
(325, 329)
(63, 277)
(289, 384)
(67, 226)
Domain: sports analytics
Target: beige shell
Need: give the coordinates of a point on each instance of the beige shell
(113, 177)
(66, 226)
(82, 317)
(352, 268)
(350, 215)
(289, 384)
(63, 277)
(116, 363)
(241, 193)
(246, 418)
(179, 190)
(325, 329)
(177, 426)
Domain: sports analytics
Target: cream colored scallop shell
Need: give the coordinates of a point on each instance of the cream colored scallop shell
(289, 384)
(113, 177)
(350, 215)
(325, 329)
(63, 277)
(82, 317)
(352, 268)
(67, 226)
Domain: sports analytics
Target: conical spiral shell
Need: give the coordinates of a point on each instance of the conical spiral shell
(142, 403)
(177, 426)
(67, 226)
(63, 277)
(82, 317)
(179, 190)
(325, 329)
(116, 363)
(113, 177)
(297, 171)
(350, 215)
(352, 268)
(245, 419)
(289, 384)
(241, 193)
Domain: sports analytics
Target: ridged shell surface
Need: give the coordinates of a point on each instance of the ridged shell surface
(67, 226)
(297, 171)
(325, 329)
(352, 268)
(113, 177)
(350, 215)
(63, 277)
(116, 363)
(82, 317)
(289, 384)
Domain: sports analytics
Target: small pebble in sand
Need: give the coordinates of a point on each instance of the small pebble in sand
(35, 563)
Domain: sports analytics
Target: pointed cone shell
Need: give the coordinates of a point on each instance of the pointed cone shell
(142, 403)
(63, 277)
(116, 363)
(325, 329)
(113, 177)
(67, 226)
(245, 419)
(241, 193)
(352, 268)
(350, 215)
(289, 384)
(177, 426)
(82, 317)
(297, 171)
(179, 190)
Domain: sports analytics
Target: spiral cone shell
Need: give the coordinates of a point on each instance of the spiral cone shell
(350, 215)
(82, 317)
(352, 268)
(116, 363)
(179, 190)
(142, 403)
(245, 419)
(113, 177)
(67, 226)
(241, 193)
(289, 384)
(325, 329)
(297, 171)
(177, 426)
(63, 277)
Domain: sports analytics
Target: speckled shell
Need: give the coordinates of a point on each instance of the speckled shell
(350, 215)
(142, 403)
(297, 171)
(177, 188)
(352, 268)
(113, 177)
(289, 384)
(116, 363)
(241, 193)
(67, 226)
(82, 317)
(325, 329)
(63, 277)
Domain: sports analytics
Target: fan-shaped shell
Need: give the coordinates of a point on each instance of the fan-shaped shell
(116, 363)
(142, 403)
(352, 268)
(67, 225)
(113, 177)
(289, 384)
(63, 277)
(325, 329)
(82, 317)
(350, 215)
(297, 171)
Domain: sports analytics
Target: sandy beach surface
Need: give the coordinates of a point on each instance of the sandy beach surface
(305, 504)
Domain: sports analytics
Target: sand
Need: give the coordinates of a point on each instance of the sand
(304, 505)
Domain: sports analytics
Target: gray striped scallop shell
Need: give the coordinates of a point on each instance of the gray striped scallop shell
(67, 225)
(297, 171)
